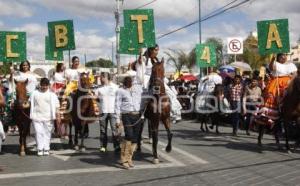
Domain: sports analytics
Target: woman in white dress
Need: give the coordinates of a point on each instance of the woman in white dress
(143, 69)
(24, 74)
(59, 80)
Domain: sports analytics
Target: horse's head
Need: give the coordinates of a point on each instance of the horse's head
(84, 80)
(157, 79)
(22, 99)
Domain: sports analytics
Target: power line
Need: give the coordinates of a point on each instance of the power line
(206, 17)
(142, 6)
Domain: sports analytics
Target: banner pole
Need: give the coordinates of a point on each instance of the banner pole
(69, 58)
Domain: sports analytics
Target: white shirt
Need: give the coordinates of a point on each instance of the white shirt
(143, 72)
(72, 74)
(128, 100)
(107, 94)
(43, 105)
(284, 69)
(32, 81)
(59, 77)
(209, 82)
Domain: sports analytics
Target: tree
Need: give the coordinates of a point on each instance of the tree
(177, 58)
(251, 55)
(104, 63)
(5, 68)
(218, 43)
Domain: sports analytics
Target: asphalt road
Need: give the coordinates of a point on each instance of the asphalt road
(197, 159)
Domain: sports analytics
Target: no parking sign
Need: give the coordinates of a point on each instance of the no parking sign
(235, 45)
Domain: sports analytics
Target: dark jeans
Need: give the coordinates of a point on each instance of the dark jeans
(236, 115)
(111, 118)
(131, 127)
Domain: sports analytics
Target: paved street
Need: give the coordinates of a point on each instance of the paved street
(196, 159)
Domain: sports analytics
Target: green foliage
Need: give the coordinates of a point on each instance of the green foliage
(5, 68)
(103, 63)
(218, 43)
(251, 55)
(178, 59)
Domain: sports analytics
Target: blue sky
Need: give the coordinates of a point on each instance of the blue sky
(94, 21)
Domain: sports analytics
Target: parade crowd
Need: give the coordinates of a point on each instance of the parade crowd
(246, 97)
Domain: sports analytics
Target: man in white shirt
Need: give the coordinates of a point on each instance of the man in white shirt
(128, 108)
(43, 111)
(107, 95)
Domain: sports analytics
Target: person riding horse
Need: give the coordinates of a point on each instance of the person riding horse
(143, 67)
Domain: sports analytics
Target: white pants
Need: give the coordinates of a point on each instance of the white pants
(43, 131)
(2, 134)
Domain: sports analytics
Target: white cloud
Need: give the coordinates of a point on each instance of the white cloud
(270, 9)
(15, 8)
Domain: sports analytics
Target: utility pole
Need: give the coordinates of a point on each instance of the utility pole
(112, 52)
(200, 34)
(117, 16)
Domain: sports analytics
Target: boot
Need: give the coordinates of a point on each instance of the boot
(125, 154)
(132, 150)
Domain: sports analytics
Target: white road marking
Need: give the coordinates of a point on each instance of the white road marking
(193, 158)
(78, 171)
(63, 155)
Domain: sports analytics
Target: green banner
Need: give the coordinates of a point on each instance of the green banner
(139, 29)
(206, 55)
(126, 43)
(273, 36)
(61, 35)
(52, 55)
(12, 46)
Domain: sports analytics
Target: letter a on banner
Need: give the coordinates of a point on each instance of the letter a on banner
(206, 55)
(273, 36)
(12, 46)
(61, 35)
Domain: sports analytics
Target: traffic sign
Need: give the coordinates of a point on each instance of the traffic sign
(235, 45)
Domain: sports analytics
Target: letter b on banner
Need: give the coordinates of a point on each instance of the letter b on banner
(61, 35)
(12, 46)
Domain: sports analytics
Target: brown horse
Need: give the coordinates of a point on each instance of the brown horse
(21, 114)
(84, 110)
(291, 109)
(158, 109)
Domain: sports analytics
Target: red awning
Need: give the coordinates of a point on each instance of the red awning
(188, 77)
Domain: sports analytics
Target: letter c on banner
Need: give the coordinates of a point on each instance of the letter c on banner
(61, 39)
(206, 54)
(9, 52)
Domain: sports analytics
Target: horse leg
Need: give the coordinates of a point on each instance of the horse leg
(287, 145)
(277, 129)
(149, 131)
(77, 131)
(202, 119)
(82, 136)
(70, 135)
(21, 141)
(206, 122)
(139, 149)
(261, 130)
(217, 121)
(166, 122)
(154, 130)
